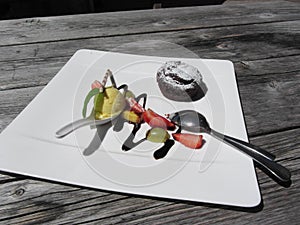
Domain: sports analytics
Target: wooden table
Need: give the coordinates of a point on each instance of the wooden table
(261, 38)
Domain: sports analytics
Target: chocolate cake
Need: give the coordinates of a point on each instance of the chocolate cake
(179, 81)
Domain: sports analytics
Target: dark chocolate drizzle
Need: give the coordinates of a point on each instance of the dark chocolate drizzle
(129, 143)
(163, 151)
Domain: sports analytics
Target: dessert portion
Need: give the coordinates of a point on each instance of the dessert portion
(124, 107)
(180, 81)
(108, 101)
(112, 104)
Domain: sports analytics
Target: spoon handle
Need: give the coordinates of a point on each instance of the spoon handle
(242, 144)
(69, 128)
(262, 157)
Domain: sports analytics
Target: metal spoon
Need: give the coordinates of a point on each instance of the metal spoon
(193, 121)
(89, 121)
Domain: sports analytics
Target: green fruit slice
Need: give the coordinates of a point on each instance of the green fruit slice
(98, 102)
(87, 99)
(129, 94)
(157, 135)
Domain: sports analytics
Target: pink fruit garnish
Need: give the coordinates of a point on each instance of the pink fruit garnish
(96, 84)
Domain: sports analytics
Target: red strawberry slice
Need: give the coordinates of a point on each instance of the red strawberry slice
(193, 141)
(155, 120)
(96, 84)
(135, 106)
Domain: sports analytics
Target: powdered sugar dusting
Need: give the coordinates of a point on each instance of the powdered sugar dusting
(180, 81)
(185, 73)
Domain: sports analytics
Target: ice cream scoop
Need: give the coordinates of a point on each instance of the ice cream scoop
(104, 111)
(112, 104)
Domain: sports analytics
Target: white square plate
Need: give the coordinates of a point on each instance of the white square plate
(216, 173)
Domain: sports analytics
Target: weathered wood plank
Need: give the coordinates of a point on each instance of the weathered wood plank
(4, 178)
(269, 100)
(243, 42)
(38, 196)
(29, 73)
(12, 103)
(39, 201)
(266, 67)
(236, 43)
(268, 85)
(108, 24)
(247, 1)
(42, 200)
(283, 105)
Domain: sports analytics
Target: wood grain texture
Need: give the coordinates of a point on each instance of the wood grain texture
(35, 64)
(148, 21)
(44, 202)
(4, 177)
(230, 42)
(12, 103)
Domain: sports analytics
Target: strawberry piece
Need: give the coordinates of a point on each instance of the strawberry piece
(193, 141)
(155, 120)
(135, 106)
(96, 84)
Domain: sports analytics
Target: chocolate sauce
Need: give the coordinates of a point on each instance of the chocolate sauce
(129, 143)
(163, 151)
(158, 154)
